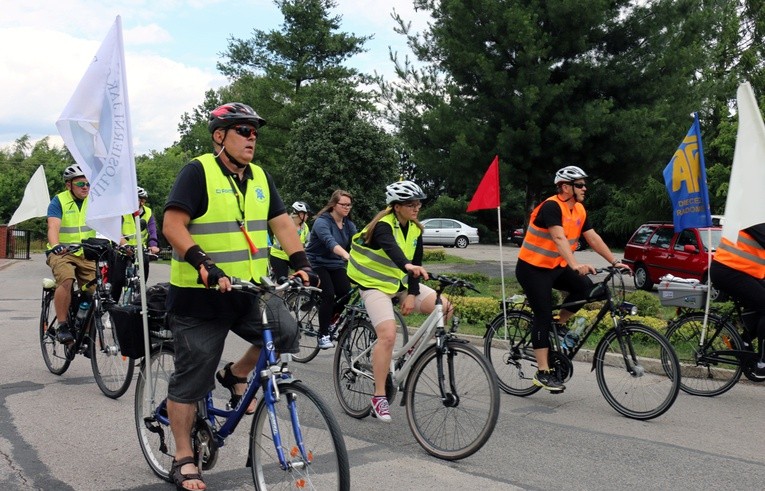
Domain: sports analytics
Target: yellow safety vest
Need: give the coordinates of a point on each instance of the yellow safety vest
(746, 255)
(218, 231)
(276, 248)
(539, 248)
(128, 228)
(73, 229)
(372, 268)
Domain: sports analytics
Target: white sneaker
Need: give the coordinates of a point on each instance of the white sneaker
(325, 342)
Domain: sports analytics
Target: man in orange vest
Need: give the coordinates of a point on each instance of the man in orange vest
(739, 270)
(546, 261)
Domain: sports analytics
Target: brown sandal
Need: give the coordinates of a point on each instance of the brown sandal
(179, 478)
(228, 380)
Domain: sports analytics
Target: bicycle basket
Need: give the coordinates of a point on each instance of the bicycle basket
(129, 327)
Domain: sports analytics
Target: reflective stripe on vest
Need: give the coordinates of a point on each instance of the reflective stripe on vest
(539, 249)
(128, 228)
(746, 255)
(372, 268)
(276, 248)
(73, 229)
(217, 231)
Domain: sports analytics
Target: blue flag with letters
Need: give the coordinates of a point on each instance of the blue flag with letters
(686, 179)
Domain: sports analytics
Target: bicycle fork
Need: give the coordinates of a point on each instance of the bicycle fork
(634, 368)
(450, 398)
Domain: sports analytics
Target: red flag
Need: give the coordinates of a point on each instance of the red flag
(487, 194)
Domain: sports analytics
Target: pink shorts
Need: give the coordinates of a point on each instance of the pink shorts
(380, 308)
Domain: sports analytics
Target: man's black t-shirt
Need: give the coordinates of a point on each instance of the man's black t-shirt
(189, 193)
(550, 215)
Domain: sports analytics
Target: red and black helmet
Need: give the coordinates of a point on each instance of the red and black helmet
(233, 113)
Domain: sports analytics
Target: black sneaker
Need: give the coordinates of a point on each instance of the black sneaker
(759, 370)
(547, 379)
(63, 335)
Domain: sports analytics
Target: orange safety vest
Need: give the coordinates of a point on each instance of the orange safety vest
(539, 248)
(746, 255)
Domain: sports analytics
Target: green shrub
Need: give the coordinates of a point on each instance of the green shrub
(434, 255)
(647, 304)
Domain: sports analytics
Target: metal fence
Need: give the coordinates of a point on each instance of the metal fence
(18, 244)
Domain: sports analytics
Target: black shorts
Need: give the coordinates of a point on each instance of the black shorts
(199, 346)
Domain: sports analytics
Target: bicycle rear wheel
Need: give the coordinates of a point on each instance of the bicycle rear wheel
(457, 425)
(53, 352)
(324, 462)
(113, 370)
(511, 354)
(701, 376)
(647, 383)
(156, 439)
(304, 307)
(355, 390)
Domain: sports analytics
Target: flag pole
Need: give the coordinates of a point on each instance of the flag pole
(709, 288)
(144, 308)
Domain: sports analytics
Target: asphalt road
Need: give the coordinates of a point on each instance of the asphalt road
(60, 432)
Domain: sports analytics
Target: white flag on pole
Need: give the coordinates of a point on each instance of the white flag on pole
(745, 205)
(95, 126)
(36, 199)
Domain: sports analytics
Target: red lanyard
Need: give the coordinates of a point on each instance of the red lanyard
(240, 205)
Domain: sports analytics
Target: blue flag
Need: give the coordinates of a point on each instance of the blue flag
(686, 179)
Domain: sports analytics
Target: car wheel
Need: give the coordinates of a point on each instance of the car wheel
(716, 295)
(641, 278)
(461, 242)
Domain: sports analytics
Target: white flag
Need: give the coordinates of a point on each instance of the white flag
(95, 126)
(36, 199)
(745, 205)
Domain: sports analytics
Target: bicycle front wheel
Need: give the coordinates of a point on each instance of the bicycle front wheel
(701, 374)
(310, 441)
(304, 307)
(53, 352)
(354, 383)
(509, 351)
(638, 375)
(113, 370)
(154, 436)
(457, 424)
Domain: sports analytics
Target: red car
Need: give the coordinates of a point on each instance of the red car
(655, 250)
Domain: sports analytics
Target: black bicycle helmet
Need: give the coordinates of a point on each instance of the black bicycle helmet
(231, 114)
(401, 191)
(72, 171)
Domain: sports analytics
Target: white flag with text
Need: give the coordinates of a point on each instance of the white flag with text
(745, 205)
(36, 199)
(95, 126)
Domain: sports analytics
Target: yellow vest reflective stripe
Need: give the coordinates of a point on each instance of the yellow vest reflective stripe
(746, 255)
(372, 268)
(128, 228)
(539, 248)
(217, 231)
(73, 228)
(276, 248)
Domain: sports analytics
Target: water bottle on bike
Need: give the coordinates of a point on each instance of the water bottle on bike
(572, 336)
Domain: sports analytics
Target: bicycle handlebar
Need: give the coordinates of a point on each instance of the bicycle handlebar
(267, 285)
(449, 281)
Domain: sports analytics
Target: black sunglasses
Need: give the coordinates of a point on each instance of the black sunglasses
(245, 131)
(579, 185)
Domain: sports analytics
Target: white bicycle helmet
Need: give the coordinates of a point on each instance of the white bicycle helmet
(569, 173)
(72, 171)
(300, 207)
(401, 191)
(142, 193)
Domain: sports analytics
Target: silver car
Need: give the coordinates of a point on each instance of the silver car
(448, 232)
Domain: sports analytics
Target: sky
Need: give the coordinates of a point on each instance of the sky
(171, 48)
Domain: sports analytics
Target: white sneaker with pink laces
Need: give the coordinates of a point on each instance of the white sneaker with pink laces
(381, 409)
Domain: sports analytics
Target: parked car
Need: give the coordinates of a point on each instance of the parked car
(516, 236)
(448, 232)
(655, 249)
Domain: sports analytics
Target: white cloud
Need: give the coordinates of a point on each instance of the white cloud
(171, 48)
